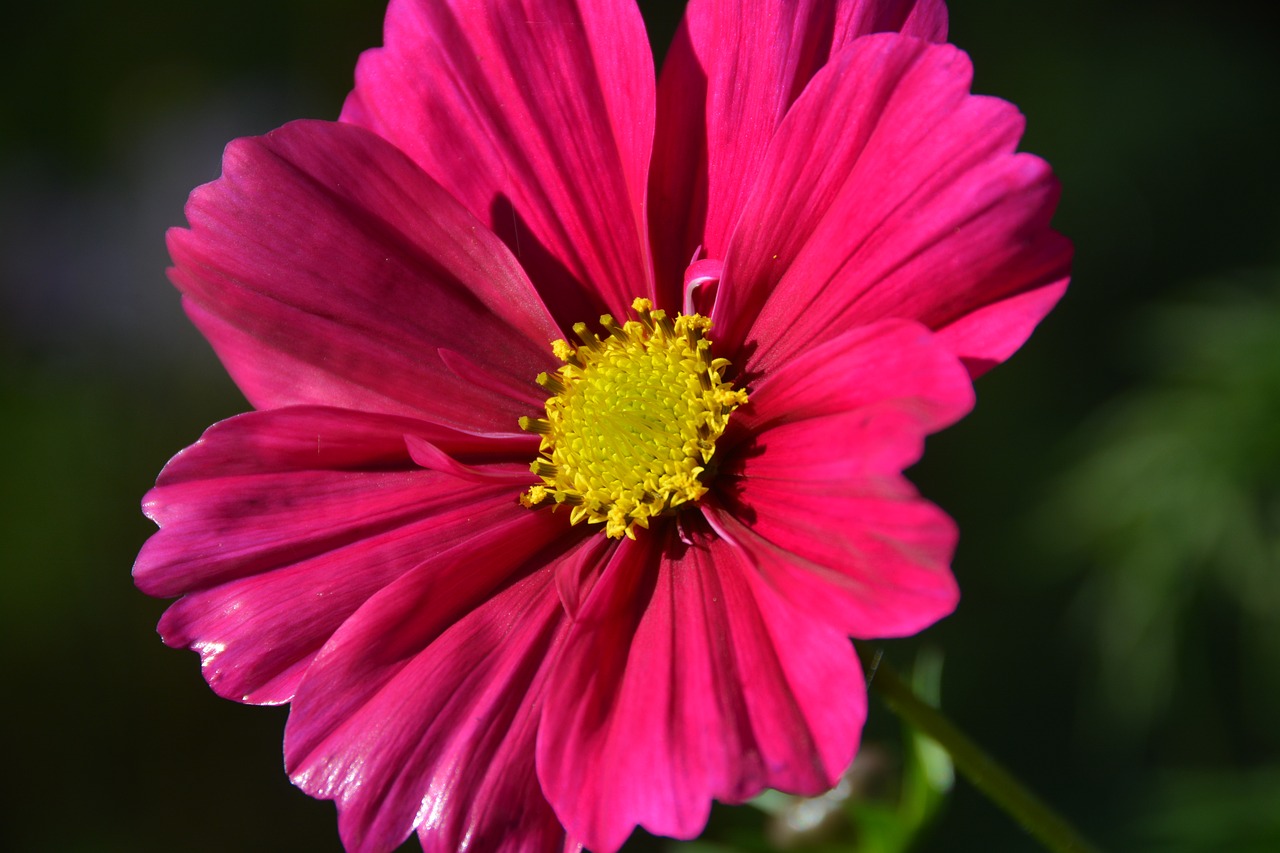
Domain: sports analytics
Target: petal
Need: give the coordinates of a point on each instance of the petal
(257, 635)
(731, 75)
(538, 117)
(816, 497)
(890, 191)
(895, 378)
(325, 268)
(277, 525)
(882, 571)
(422, 710)
(270, 488)
(701, 684)
(578, 572)
(993, 332)
(322, 438)
(431, 456)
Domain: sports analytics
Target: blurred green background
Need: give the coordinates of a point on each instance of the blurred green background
(1118, 644)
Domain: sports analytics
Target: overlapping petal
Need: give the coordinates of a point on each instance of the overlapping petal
(890, 191)
(895, 376)
(686, 679)
(276, 526)
(267, 489)
(326, 268)
(538, 116)
(422, 710)
(816, 497)
(732, 73)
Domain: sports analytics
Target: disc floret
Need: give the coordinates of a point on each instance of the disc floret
(632, 420)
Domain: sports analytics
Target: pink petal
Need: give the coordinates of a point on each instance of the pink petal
(320, 438)
(257, 635)
(890, 191)
(995, 331)
(325, 268)
(884, 573)
(816, 497)
(538, 116)
(277, 525)
(270, 488)
(701, 684)
(895, 378)
(422, 710)
(578, 572)
(731, 75)
(431, 456)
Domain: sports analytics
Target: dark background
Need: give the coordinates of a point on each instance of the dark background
(1118, 644)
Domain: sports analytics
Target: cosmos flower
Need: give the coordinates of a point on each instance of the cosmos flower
(522, 593)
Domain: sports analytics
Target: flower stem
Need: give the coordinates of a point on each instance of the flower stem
(986, 774)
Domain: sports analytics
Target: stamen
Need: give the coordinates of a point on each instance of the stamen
(544, 469)
(632, 420)
(612, 327)
(551, 383)
(588, 337)
(538, 426)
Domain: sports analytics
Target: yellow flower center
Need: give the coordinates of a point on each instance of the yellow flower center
(632, 420)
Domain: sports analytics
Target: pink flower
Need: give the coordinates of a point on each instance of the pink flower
(370, 544)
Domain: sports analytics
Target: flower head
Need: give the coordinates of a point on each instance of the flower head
(515, 587)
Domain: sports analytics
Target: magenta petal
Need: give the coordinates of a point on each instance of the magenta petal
(817, 498)
(890, 191)
(257, 635)
(887, 575)
(580, 569)
(267, 489)
(321, 438)
(994, 332)
(430, 456)
(895, 378)
(468, 370)
(277, 525)
(350, 304)
(922, 19)
(421, 712)
(731, 75)
(703, 684)
(538, 116)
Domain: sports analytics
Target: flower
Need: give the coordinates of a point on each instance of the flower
(503, 609)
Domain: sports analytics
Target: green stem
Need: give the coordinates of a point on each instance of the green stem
(988, 776)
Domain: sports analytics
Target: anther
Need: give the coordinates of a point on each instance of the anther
(550, 382)
(643, 308)
(588, 337)
(537, 426)
(607, 321)
(664, 322)
(566, 352)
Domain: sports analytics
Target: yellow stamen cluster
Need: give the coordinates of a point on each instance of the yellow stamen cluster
(632, 420)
